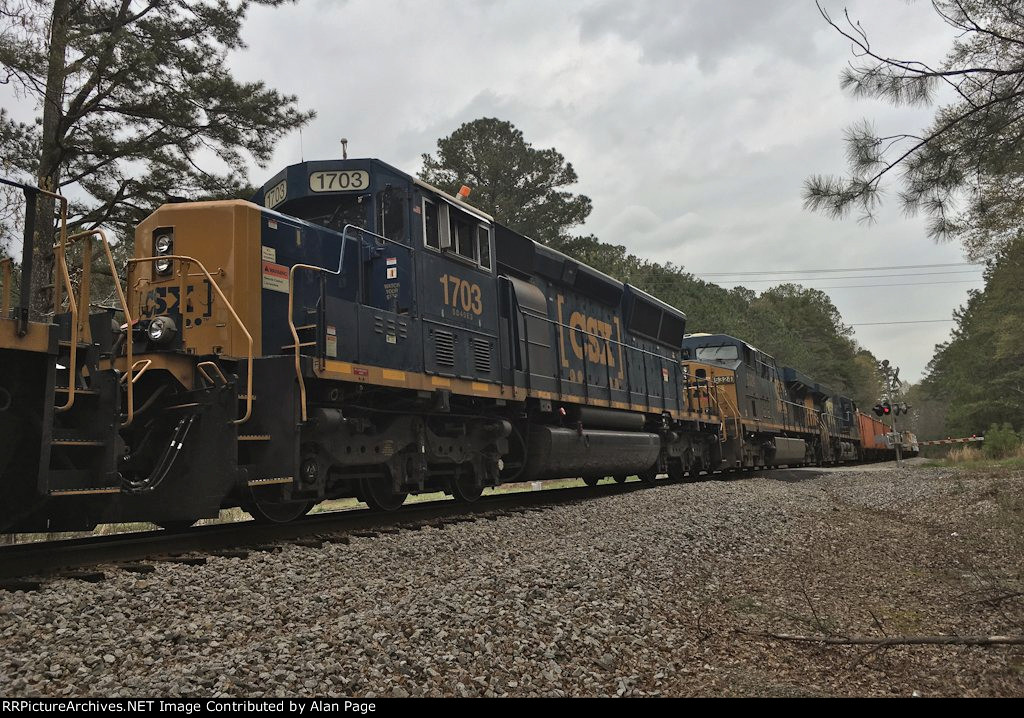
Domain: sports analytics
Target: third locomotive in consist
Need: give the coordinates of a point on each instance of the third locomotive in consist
(353, 331)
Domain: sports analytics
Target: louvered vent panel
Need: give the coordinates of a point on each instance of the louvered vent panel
(444, 348)
(482, 356)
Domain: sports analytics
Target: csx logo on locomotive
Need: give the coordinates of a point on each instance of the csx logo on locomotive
(164, 299)
(589, 334)
(596, 330)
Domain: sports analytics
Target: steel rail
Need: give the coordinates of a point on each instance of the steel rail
(52, 557)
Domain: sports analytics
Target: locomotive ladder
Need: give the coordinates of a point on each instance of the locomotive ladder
(83, 454)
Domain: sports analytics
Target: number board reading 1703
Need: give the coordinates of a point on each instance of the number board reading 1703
(339, 181)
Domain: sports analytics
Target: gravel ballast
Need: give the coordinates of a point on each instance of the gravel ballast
(662, 592)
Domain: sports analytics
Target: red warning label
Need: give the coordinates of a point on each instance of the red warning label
(275, 277)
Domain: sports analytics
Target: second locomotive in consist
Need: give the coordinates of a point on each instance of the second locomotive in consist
(353, 331)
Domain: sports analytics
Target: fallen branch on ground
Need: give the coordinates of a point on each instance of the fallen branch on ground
(898, 640)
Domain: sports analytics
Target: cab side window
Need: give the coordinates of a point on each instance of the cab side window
(394, 217)
(483, 236)
(431, 233)
(463, 236)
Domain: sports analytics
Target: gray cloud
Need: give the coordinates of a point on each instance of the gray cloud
(710, 31)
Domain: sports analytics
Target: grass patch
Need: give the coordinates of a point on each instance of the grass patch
(971, 457)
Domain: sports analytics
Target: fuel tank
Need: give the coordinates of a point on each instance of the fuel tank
(599, 418)
(557, 453)
(788, 451)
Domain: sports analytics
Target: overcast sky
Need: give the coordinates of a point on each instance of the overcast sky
(692, 124)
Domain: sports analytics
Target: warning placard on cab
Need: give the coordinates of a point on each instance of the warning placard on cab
(275, 277)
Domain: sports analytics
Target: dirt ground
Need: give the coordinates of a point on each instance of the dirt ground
(911, 552)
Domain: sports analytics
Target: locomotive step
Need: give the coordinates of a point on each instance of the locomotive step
(270, 481)
(84, 492)
(64, 390)
(78, 442)
(254, 437)
(75, 482)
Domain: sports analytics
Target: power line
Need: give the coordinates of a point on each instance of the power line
(898, 284)
(917, 321)
(855, 276)
(830, 270)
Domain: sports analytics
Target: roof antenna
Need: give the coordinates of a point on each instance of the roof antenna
(344, 148)
(302, 153)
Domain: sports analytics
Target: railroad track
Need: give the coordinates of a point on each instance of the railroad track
(29, 566)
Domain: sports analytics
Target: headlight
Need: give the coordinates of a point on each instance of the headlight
(163, 244)
(161, 330)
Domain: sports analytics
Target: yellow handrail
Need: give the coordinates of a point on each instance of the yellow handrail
(712, 395)
(241, 325)
(204, 365)
(142, 365)
(5, 301)
(294, 331)
(61, 263)
(84, 298)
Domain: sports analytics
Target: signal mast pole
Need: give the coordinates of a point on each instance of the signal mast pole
(891, 383)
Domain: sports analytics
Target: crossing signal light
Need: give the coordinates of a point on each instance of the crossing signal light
(878, 409)
(886, 408)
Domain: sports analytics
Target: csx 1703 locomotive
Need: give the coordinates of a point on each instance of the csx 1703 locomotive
(353, 331)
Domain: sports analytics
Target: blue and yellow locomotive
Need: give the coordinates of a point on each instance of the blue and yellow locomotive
(351, 331)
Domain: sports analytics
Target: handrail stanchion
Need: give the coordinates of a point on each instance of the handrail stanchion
(5, 272)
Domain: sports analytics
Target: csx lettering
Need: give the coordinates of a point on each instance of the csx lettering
(597, 333)
(460, 294)
(163, 299)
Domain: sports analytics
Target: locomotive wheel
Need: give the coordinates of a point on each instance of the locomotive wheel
(620, 479)
(694, 473)
(675, 470)
(378, 495)
(649, 476)
(464, 488)
(591, 480)
(277, 512)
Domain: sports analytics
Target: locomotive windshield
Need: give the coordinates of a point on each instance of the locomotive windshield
(728, 352)
(332, 211)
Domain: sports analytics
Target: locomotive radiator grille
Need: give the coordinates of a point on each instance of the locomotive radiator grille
(444, 348)
(481, 355)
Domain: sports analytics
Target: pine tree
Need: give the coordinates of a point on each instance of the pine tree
(980, 371)
(136, 106)
(518, 184)
(965, 171)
